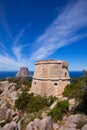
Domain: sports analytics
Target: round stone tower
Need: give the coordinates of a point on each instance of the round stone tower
(50, 77)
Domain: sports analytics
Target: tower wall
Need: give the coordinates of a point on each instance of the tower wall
(50, 77)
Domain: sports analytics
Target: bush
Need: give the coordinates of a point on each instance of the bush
(52, 99)
(78, 90)
(59, 110)
(85, 73)
(82, 106)
(36, 103)
(22, 101)
(75, 89)
(30, 103)
(23, 83)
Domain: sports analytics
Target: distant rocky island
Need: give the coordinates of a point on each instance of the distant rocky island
(23, 72)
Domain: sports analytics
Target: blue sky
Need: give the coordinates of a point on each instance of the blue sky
(32, 30)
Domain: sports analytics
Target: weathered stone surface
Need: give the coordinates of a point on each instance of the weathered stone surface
(50, 77)
(71, 104)
(19, 125)
(2, 129)
(66, 128)
(76, 118)
(7, 101)
(44, 124)
(3, 110)
(71, 122)
(55, 126)
(53, 105)
(11, 126)
(84, 127)
(64, 98)
(23, 72)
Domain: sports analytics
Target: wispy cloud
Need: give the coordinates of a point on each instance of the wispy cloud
(17, 47)
(8, 63)
(17, 50)
(63, 31)
(21, 33)
(4, 23)
(2, 46)
(6, 60)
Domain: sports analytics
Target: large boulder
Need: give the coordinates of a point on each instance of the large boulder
(23, 72)
(3, 110)
(10, 126)
(84, 127)
(73, 122)
(7, 101)
(44, 124)
(71, 104)
(55, 126)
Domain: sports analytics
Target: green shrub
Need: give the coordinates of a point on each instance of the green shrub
(30, 103)
(23, 83)
(85, 73)
(75, 89)
(78, 90)
(82, 106)
(37, 103)
(22, 101)
(52, 99)
(59, 110)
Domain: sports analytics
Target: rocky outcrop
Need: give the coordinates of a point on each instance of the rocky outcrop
(7, 100)
(73, 122)
(23, 72)
(9, 91)
(84, 127)
(10, 126)
(44, 124)
(71, 104)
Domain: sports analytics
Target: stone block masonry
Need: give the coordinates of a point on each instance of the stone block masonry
(50, 77)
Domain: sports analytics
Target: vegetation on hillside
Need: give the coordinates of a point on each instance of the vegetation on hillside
(59, 110)
(30, 103)
(23, 83)
(78, 90)
(82, 106)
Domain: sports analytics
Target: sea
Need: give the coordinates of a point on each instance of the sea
(8, 74)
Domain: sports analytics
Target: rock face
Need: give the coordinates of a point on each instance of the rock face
(23, 72)
(44, 124)
(84, 127)
(50, 77)
(71, 104)
(7, 100)
(10, 126)
(74, 122)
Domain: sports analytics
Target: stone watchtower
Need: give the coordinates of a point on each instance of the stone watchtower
(50, 77)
